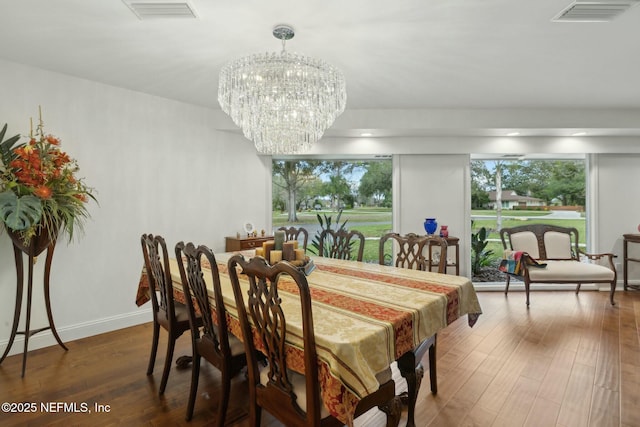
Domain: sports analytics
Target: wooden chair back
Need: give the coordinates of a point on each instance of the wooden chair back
(409, 251)
(167, 314)
(264, 327)
(415, 251)
(543, 241)
(213, 341)
(340, 244)
(156, 261)
(293, 233)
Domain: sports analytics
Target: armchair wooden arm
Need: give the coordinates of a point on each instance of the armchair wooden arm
(596, 257)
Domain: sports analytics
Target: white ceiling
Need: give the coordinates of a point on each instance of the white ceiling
(407, 54)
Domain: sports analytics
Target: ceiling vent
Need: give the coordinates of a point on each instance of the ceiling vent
(594, 11)
(158, 9)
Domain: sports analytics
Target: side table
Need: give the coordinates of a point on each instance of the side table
(628, 238)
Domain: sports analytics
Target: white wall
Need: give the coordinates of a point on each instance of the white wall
(158, 166)
(618, 206)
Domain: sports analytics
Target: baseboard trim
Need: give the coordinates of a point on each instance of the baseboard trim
(78, 331)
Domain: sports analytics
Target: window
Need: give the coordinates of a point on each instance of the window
(353, 193)
(507, 192)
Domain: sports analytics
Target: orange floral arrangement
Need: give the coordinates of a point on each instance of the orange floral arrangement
(39, 186)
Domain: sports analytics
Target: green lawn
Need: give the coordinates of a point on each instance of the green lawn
(382, 215)
(491, 225)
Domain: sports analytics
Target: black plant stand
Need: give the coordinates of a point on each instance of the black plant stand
(36, 246)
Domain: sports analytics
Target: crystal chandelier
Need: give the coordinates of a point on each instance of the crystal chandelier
(283, 102)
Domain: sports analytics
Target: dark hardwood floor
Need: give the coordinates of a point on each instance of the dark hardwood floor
(567, 361)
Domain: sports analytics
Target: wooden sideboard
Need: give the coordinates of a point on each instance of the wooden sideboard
(244, 243)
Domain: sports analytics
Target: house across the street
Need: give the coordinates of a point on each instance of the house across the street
(511, 199)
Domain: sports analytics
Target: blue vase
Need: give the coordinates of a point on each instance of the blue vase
(430, 225)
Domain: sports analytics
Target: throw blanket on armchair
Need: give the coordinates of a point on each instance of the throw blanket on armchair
(512, 262)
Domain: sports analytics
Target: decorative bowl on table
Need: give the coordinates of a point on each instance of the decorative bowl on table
(306, 265)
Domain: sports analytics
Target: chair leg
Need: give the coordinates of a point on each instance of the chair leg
(433, 378)
(412, 372)
(167, 362)
(412, 393)
(195, 376)
(255, 415)
(393, 410)
(577, 288)
(526, 291)
(224, 398)
(613, 290)
(506, 288)
(154, 347)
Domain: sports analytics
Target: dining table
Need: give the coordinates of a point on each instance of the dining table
(366, 317)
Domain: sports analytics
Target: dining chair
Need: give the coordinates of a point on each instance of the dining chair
(340, 244)
(415, 252)
(406, 251)
(293, 233)
(210, 340)
(167, 314)
(292, 398)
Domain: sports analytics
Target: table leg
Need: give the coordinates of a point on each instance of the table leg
(433, 378)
